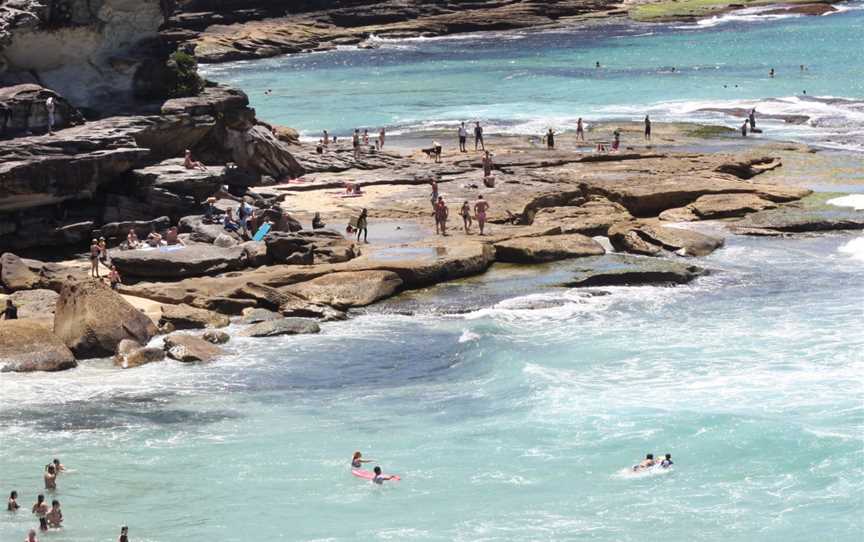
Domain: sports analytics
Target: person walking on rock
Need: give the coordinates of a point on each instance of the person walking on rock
(441, 214)
(478, 136)
(465, 213)
(463, 137)
(362, 223)
(480, 209)
(580, 130)
(647, 128)
(94, 258)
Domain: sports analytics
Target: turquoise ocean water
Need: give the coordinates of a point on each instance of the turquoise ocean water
(511, 407)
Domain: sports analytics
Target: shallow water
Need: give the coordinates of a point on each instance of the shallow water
(512, 421)
(525, 82)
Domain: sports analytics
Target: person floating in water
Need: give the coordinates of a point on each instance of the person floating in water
(357, 460)
(55, 515)
(647, 128)
(646, 463)
(31, 536)
(124, 534)
(771, 73)
(597, 64)
(667, 461)
(12, 503)
(380, 478)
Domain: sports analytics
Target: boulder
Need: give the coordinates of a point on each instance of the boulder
(187, 317)
(716, 206)
(25, 111)
(296, 306)
(24, 274)
(347, 289)
(35, 303)
(214, 336)
(255, 316)
(285, 326)
(223, 240)
(201, 232)
(650, 238)
(188, 261)
(224, 305)
(257, 149)
(264, 296)
(187, 348)
(621, 270)
(590, 218)
(116, 232)
(306, 247)
(793, 220)
(172, 176)
(286, 134)
(256, 253)
(30, 345)
(130, 354)
(547, 249)
(92, 319)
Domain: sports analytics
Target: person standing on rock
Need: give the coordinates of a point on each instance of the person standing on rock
(752, 118)
(480, 209)
(478, 136)
(49, 106)
(362, 223)
(104, 258)
(355, 141)
(11, 311)
(326, 138)
(94, 258)
(550, 139)
(434, 198)
(465, 213)
(463, 137)
(441, 214)
(744, 129)
(381, 139)
(365, 137)
(580, 131)
(487, 165)
(647, 128)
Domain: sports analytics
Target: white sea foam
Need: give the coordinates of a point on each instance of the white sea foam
(854, 248)
(856, 201)
(757, 14)
(468, 336)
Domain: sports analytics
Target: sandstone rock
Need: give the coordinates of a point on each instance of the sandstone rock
(256, 253)
(255, 316)
(348, 289)
(29, 345)
(224, 305)
(186, 317)
(650, 238)
(792, 220)
(547, 249)
(35, 303)
(590, 218)
(189, 261)
(130, 354)
(204, 233)
(188, 349)
(25, 110)
(617, 270)
(306, 248)
(173, 176)
(264, 296)
(296, 306)
(117, 231)
(214, 336)
(286, 134)
(223, 240)
(285, 326)
(716, 206)
(91, 319)
(16, 274)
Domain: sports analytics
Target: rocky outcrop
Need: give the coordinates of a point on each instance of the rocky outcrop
(38, 304)
(650, 238)
(172, 176)
(91, 319)
(23, 110)
(130, 354)
(190, 349)
(256, 316)
(547, 249)
(285, 326)
(25, 274)
(188, 261)
(716, 206)
(348, 289)
(793, 220)
(590, 218)
(617, 270)
(186, 317)
(306, 248)
(214, 336)
(28, 345)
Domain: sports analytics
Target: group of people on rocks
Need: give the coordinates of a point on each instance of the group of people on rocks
(99, 255)
(49, 517)
(441, 213)
(478, 137)
(359, 141)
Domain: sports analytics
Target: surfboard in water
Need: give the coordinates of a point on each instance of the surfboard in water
(262, 231)
(368, 475)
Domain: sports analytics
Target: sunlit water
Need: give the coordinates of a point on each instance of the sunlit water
(525, 82)
(511, 407)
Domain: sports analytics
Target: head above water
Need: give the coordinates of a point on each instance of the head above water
(55, 503)
(668, 456)
(40, 498)
(377, 470)
(51, 469)
(649, 456)
(13, 495)
(357, 455)
(124, 530)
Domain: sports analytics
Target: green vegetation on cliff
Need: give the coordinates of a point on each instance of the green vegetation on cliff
(183, 78)
(679, 9)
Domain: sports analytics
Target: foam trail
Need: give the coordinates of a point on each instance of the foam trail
(856, 201)
(854, 248)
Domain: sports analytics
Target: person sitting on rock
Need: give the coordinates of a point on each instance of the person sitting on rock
(189, 163)
(172, 238)
(228, 222)
(11, 311)
(210, 211)
(154, 239)
(317, 223)
(114, 280)
(132, 241)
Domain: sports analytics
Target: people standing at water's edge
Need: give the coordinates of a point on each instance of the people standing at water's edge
(55, 515)
(478, 137)
(12, 503)
(744, 128)
(326, 138)
(40, 509)
(441, 215)
(357, 460)
(550, 139)
(11, 311)
(647, 128)
(365, 136)
(381, 136)
(362, 225)
(616, 139)
(434, 197)
(465, 213)
(480, 209)
(752, 118)
(580, 130)
(463, 138)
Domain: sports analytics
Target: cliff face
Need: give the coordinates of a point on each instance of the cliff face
(86, 50)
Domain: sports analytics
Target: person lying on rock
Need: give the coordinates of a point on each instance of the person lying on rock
(190, 163)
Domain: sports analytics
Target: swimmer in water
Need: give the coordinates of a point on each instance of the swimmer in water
(124, 534)
(12, 503)
(31, 536)
(58, 466)
(50, 477)
(357, 460)
(55, 516)
(380, 478)
(667, 461)
(646, 463)
(41, 509)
